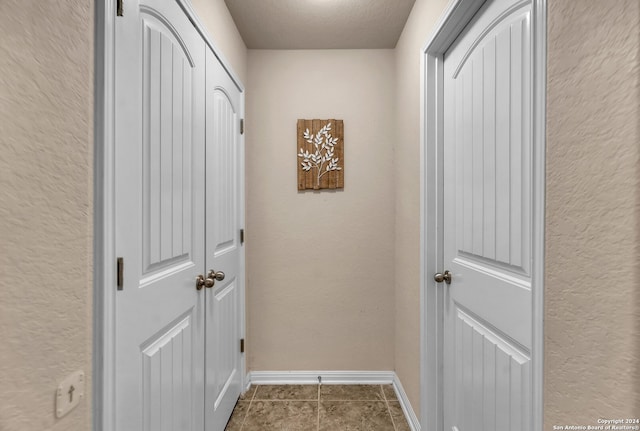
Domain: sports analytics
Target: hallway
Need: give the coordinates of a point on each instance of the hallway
(348, 297)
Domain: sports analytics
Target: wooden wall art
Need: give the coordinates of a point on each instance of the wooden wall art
(320, 154)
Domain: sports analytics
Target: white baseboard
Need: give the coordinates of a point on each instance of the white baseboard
(328, 377)
(412, 419)
(338, 378)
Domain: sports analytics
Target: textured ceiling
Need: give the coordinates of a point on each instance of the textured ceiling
(320, 24)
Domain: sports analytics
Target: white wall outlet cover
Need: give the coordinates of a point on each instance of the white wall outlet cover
(69, 393)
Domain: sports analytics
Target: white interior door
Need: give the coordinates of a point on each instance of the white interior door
(487, 221)
(160, 226)
(224, 301)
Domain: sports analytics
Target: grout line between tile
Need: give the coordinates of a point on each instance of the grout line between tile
(318, 421)
(386, 401)
(248, 409)
(275, 400)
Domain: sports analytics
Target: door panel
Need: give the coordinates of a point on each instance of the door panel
(487, 223)
(167, 146)
(223, 301)
(493, 372)
(224, 344)
(491, 133)
(166, 375)
(160, 65)
(224, 159)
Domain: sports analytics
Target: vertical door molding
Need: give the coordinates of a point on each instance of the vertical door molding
(454, 19)
(104, 279)
(539, 142)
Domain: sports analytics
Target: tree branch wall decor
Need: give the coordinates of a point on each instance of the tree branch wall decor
(320, 154)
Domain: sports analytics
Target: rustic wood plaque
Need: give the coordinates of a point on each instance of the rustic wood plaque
(320, 154)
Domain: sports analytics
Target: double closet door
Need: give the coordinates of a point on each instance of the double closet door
(178, 219)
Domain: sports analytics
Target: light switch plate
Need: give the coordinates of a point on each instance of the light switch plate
(69, 393)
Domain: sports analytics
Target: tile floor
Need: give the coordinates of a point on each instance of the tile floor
(318, 408)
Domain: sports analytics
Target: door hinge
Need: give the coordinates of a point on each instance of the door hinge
(242, 126)
(119, 8)
(120, 273)
(242, 345)
(241, 236)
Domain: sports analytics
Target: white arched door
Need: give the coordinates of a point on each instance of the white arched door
(224, 301)
(488, 221)
(160, 218)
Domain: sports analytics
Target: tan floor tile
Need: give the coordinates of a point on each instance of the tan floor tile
(355, 416)
(351, 392)
(282, 416)
(399, 419)
(238, 415)
(389, 392)
(287, 392)
(248, 395)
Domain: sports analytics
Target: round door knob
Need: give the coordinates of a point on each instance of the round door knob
(218, 275)
(209, 282)
(446, 277)
(200, 282)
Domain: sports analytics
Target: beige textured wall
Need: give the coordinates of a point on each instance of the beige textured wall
(423, 17)
(592, 296)
(215, 16)
(46, 144)
(320, 264)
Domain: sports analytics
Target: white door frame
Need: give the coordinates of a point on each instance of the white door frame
(454, 19)
(104, 259)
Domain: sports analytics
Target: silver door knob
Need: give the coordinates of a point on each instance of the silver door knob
(446, 277)
(204, 282)
(199, 282)
(218, 275)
